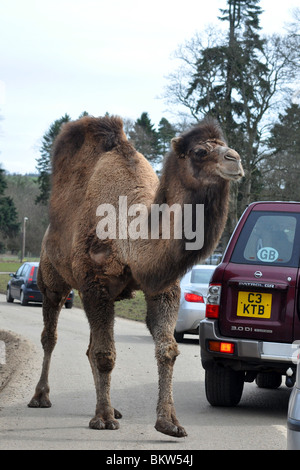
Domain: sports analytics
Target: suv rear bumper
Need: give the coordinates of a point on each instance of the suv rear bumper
(250, 354)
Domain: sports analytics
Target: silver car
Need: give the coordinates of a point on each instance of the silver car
(293, 423)
(194, 286)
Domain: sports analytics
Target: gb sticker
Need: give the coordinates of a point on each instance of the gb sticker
(267, 254)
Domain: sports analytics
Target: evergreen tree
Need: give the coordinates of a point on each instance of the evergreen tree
(23, 191)
(145, 138)
(9, 225)
(230, 79)
(282, 168)
(166, 132)
(44, 163)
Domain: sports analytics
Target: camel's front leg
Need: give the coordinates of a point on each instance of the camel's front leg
(102, 355)
(49, 337)
(102, 361)
(161, 320)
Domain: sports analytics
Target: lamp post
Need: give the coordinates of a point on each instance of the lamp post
(23, 238)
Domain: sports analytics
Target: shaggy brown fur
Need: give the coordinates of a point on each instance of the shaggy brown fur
(93, 164)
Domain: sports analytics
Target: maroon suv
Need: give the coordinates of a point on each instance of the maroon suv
(253, 305)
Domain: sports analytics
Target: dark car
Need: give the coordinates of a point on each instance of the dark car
(253, 305)
(23, 286)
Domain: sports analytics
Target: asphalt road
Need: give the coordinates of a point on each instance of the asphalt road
(259, 422)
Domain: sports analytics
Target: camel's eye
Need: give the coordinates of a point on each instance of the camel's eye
(201, 153)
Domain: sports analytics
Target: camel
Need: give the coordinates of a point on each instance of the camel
(94, 164)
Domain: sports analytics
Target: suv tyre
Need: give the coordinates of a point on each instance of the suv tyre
(223, 386)
(268, 380)
(178, 336)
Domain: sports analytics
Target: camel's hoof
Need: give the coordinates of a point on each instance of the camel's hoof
(169, 428)
(117, 414)
(99, 423)
(39, 402)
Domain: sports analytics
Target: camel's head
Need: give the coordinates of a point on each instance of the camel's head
(206, 155)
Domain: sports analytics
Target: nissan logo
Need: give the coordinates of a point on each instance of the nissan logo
(258, 274)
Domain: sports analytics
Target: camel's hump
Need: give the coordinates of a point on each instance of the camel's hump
(102, 134)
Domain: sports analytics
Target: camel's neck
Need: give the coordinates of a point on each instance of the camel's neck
(206, 205)
(201, 204)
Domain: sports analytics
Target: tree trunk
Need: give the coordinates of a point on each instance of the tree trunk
(232, 218)
(246, 191)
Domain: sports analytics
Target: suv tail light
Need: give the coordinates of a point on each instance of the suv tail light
(221, 346)
(190, 297)
(213, 301)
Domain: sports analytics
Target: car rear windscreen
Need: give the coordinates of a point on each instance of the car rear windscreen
(201, 276)
(269, 238)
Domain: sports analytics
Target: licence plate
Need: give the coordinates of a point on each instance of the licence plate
(254, 305)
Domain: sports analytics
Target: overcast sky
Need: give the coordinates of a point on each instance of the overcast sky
(70, 56)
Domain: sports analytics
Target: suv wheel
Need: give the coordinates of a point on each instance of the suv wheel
(178, 336)
(9, 298)
(23, 299)
(268, 380)
(224, 386)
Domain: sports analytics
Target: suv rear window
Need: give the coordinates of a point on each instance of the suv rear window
(269, 238)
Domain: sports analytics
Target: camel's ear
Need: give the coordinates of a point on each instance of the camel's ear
(177, 146)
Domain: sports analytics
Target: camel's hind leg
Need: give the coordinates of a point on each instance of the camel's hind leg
(99, 309)
(53, 300)
(161, 320)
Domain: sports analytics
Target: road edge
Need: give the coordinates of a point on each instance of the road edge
(18, 362)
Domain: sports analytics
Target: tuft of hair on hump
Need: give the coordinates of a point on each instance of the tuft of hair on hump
(207, 129)
(108, 129)
(104, 132)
